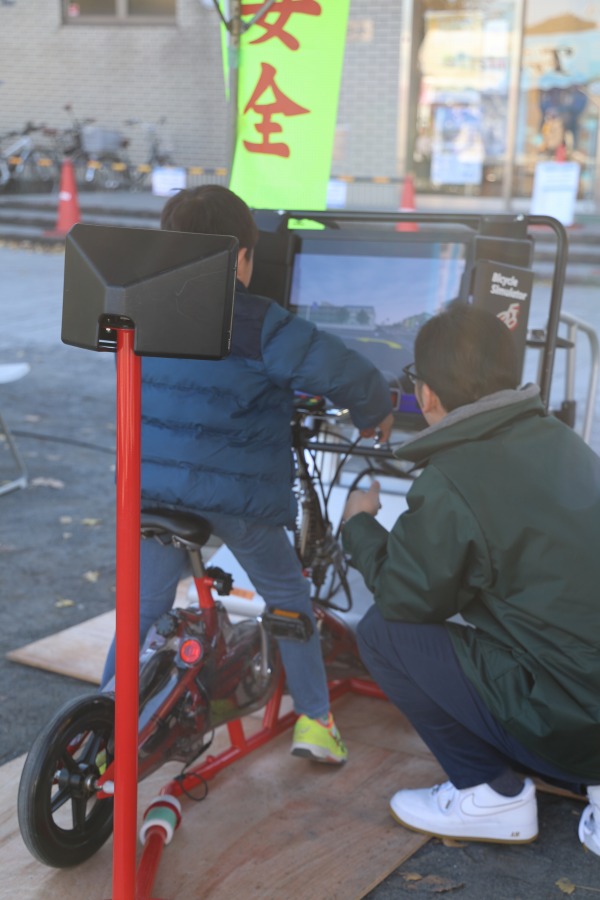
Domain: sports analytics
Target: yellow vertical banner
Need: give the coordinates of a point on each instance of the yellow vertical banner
(290, 68)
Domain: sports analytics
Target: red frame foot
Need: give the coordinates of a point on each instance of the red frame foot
(273, 725)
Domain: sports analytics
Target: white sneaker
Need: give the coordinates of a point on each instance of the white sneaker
(589, 824)
(475, 814)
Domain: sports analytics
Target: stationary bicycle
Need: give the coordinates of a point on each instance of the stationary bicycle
(200, 668)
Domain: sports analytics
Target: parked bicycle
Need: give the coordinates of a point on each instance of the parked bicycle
(199, 669)
(25, 160)
(157, 153)
(98, 154)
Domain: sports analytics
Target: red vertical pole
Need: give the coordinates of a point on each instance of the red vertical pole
(128, 614)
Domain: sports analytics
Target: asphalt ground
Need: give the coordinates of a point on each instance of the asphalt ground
(57, 569)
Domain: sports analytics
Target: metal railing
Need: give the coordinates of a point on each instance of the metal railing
(574, 326)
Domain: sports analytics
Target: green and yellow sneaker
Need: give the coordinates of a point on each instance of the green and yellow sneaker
(101, 761)
(316, 740)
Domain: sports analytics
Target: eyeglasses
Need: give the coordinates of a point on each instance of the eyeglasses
(411, 373)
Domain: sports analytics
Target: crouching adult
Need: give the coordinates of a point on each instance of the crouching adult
(503, 528)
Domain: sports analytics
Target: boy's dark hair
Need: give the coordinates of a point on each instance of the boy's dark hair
(211, 209)
(466, 353)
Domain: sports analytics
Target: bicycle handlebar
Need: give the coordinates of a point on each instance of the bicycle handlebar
(316, 408)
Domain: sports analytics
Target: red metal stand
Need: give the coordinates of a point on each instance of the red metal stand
(127, 658)
(128, 615)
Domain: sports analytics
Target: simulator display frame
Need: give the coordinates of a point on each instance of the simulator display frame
(343, 270)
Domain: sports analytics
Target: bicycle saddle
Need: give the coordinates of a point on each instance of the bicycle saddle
(184, 526)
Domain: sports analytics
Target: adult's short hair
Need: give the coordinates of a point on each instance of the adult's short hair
(466, 353)
(211, 209)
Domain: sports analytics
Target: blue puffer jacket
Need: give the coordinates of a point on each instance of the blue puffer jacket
(216, 434)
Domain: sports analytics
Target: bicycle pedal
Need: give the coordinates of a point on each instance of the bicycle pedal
(166, 625)
(223, 581)
(293, 626)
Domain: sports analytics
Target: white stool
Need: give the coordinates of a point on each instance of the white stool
(13, 372)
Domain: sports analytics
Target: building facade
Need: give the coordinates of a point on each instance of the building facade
(494, 87)
(468, 95)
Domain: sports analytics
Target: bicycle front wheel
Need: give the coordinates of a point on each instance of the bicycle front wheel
(61, 820)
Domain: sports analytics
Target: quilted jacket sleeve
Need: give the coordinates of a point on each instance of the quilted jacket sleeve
(431, 564)
(301, 357)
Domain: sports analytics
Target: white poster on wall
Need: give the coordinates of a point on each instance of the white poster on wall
(167, 180)
(457, 146)
(555, 186)
(337, 193)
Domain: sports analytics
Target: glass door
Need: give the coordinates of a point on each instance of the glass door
(463, 54)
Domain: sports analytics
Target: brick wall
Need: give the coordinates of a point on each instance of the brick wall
(115, 72)
(368, 107)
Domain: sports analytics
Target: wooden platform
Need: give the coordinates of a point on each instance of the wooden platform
(272, 827)
(79, 651)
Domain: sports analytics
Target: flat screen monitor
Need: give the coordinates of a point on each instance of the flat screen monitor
(375, 291)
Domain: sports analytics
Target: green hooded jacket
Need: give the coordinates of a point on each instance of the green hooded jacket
(503, 527)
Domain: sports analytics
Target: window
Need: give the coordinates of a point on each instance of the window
(103, 11)
(462, 56)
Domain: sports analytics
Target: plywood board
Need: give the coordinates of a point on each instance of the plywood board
(272, 826)
(79, 651)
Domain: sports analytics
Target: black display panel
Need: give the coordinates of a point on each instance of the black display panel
(375, 290)
(176, 289)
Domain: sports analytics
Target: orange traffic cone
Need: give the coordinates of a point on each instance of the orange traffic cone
(68, 203)
(407, 204)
